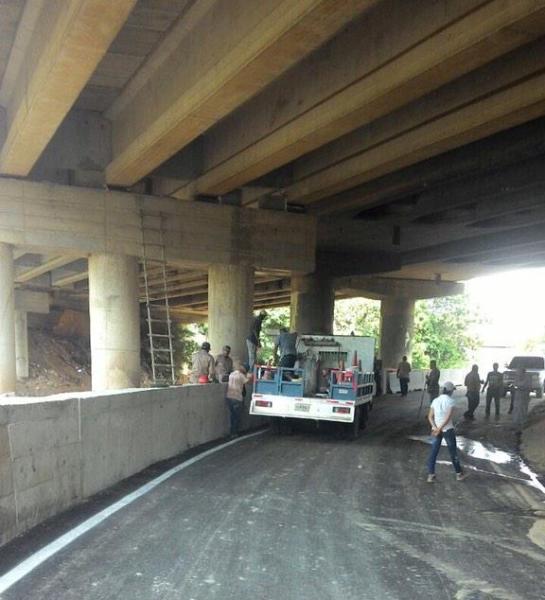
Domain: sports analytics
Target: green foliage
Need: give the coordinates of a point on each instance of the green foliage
(443, 331)
(184, 345)
(278, 317)
(358, 315)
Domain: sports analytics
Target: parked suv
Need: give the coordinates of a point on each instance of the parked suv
(535, 365)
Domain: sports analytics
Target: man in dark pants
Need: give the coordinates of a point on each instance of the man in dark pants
(252, 341)
(440, 418)
(473, 383)
(494, 381)
(286, 342)
(403, 374)
(432, 381)
(234, 397)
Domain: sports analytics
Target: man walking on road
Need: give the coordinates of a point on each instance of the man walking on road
(403, 374)
(432, 381)
(494, 381)
(440, 418)
(473, 383)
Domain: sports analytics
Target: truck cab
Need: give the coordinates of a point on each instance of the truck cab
(534, 365)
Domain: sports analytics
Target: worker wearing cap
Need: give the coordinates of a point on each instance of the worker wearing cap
(440, 418)
(224, 364)
(202, 365)
(252, 341)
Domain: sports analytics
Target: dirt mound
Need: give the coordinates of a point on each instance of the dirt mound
(57, 364)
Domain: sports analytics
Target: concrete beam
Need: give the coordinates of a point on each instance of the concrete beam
(378, 288)
(29, 301)
(69, 41)
(230, 52)
(408, 50)
(339, 263)
(56, 219)
(498, 96)
(488, 195)
(498, 151)
(524, 236)
(46, 267)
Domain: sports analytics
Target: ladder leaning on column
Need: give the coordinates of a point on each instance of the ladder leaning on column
(157, 306)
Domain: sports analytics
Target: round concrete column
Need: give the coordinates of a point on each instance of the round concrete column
(21, 343)
(312, 304)
(396, 329)
(7, 320)
(230, 308)
(115, 321)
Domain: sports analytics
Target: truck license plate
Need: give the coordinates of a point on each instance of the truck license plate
(302, 407)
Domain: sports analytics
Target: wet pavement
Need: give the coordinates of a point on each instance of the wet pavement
(312, 516)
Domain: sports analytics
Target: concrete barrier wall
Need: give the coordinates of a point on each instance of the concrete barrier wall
(57, 451)
(418, 378)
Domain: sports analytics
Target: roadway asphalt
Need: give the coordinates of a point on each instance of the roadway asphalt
(311, 516)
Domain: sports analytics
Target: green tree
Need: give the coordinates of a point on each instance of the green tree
(443, 331)
(184, 345)
(358, 315)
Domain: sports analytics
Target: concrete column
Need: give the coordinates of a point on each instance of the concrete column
(115, 321)
(8, 376)
(312, 304)
(230, 308)
(396, 329)
(21, 344)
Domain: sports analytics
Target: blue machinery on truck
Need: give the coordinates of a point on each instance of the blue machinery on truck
(320, 387)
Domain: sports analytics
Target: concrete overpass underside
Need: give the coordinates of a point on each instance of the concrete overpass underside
(268, 153)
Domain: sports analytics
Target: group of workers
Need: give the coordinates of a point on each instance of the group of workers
(222, 369)
(493, 385)
(442, 407)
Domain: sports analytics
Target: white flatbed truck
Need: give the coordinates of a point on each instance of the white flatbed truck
(320, 387)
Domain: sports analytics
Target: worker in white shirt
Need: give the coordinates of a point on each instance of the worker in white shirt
(442, 428)
(234, 397)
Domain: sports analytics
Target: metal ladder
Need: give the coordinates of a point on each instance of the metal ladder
(157, 308)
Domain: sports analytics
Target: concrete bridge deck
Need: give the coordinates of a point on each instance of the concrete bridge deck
(305, 516)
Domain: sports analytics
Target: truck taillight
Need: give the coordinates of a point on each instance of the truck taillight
(264, 403)
(344, 410)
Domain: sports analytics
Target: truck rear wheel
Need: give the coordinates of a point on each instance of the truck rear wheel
(352, 430)
(364, 415)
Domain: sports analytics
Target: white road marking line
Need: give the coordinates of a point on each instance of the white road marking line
(39, 557)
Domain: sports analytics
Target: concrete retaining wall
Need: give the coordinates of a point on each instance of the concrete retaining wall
(56, 451)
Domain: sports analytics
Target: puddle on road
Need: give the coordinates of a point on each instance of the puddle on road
(495, 455)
